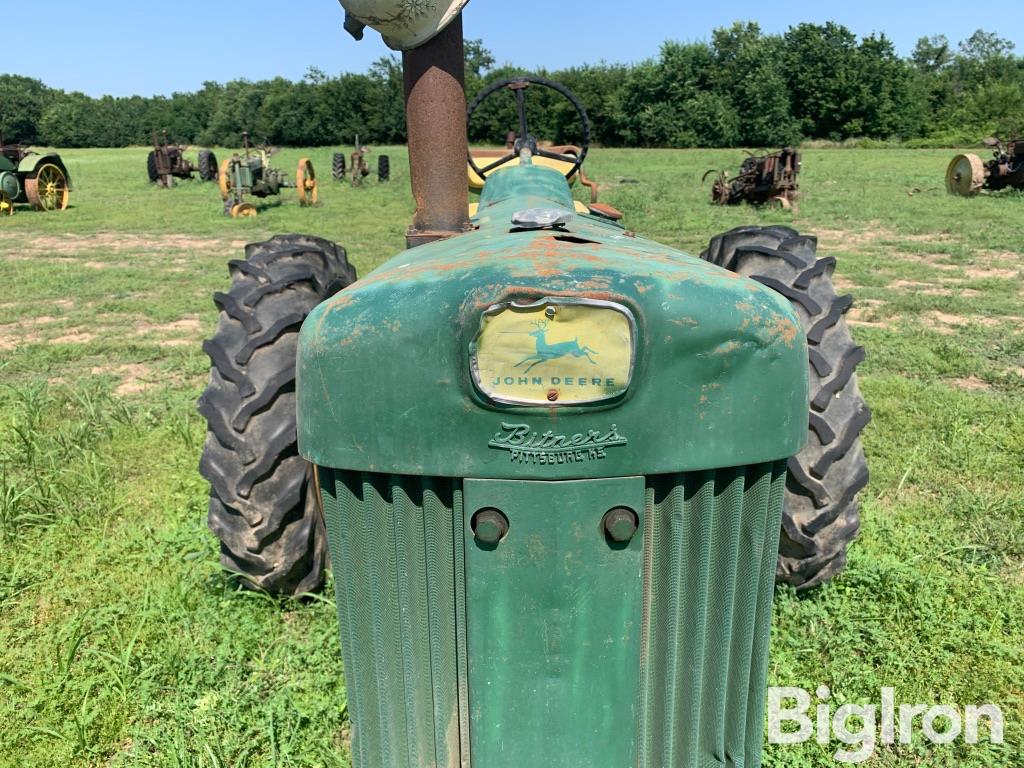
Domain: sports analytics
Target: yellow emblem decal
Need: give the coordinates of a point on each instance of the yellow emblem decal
(556, 351)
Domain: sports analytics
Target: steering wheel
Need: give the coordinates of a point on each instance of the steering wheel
(525, 140)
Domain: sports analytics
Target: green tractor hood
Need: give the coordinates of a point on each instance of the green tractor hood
(385, 369)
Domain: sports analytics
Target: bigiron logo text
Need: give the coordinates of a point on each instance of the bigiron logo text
(529, 447)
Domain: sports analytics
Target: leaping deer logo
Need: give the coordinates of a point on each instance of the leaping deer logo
(546, 352)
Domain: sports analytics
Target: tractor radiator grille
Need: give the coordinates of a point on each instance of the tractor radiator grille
(710, 543)
(403, 639)
(710, 549)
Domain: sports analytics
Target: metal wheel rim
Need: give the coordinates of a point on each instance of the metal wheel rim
(305, 182)
(48, 191)
(965, 175)
(224, 181)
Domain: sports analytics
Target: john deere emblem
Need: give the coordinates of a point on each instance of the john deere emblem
(546, 352)
(556, 351)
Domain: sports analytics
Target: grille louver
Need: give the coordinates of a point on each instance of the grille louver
(398, 553)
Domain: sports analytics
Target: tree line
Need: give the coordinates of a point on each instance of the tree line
(740, 88)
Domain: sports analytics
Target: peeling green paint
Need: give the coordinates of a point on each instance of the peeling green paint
(384, 374)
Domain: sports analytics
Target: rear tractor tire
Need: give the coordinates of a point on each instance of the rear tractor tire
(338, 166)
(208, 166)
(151, 167)
(383, 168)
(262, 502)
(821, 515)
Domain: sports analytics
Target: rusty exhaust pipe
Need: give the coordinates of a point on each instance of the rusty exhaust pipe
(435, 114)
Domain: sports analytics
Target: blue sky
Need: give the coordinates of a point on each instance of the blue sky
(105, 47)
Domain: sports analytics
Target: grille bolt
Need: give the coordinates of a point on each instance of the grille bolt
(620, 523)
(489, 525)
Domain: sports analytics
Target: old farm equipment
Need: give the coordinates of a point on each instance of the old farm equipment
(762, 179)
(167, 162)
(250, 173)
(27, 177)
(338, 166)
(360, 168)
(967, 174)
(554, 458)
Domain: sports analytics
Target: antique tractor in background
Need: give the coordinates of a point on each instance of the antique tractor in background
(359, 167)
(762, 179)
(251, 174)
(27, 177)
(558, 465)
(967, 175)
(166, 162)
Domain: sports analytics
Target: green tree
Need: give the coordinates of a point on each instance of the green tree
(22, 103)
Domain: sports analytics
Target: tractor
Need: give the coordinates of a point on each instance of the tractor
(967, 174)
(250, 173)
(39, 180)
(558, 466)
(762, 179)
(360, 168)
(166, 162)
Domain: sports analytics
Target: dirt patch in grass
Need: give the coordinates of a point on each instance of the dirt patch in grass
(75, 337)
(915, 286)
(870, 313)
(135, 377)
(928, 259)
(971, 384)
(187, 331)
(843, 284)
(113, 242)
(849, 239)
(988, 273)
(944, 322)
(25, 331)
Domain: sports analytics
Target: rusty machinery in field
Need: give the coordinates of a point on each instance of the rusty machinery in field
(167, 162)
(359, 168)
(39, 180)
(250, 173)
(967, 174)
(762, 179)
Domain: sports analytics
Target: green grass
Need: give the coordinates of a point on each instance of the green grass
(122, 643)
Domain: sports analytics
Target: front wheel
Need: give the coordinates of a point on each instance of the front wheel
(262, 505)
(821, 516)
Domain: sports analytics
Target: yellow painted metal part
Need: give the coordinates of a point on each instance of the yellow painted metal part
(485, 158)
(243, 210)
(305, 182)
(224, 179)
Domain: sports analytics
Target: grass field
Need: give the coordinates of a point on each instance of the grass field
(122, 643)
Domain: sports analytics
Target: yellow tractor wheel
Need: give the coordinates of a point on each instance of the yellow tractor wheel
(243, 210)
(48, 190)
(6, 204)
(305, 182)
(224, 180)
